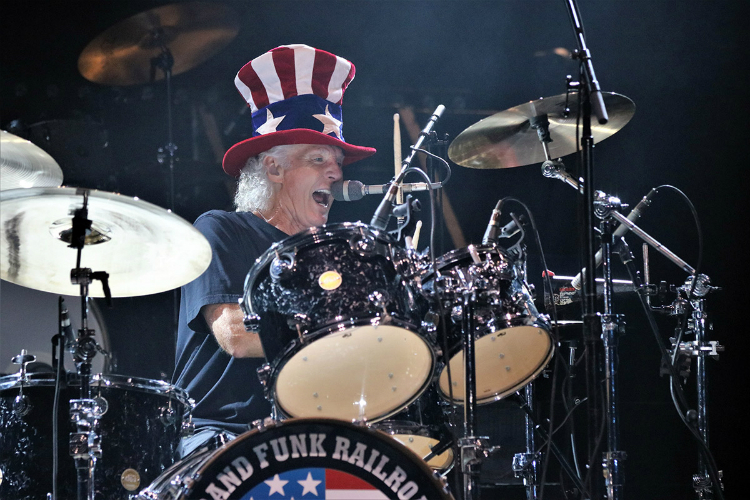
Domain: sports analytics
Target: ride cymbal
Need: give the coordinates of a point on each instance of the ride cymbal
(191, 32)
(25, 165)
(144, 248)
(507, 139)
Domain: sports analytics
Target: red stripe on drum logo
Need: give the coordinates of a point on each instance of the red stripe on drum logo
(338, 480)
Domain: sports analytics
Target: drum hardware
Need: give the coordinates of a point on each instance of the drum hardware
(21, 405)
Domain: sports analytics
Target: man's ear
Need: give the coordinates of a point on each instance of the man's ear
(274, 171)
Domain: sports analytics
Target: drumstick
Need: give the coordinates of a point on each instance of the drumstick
(415, 238)
(397, 153)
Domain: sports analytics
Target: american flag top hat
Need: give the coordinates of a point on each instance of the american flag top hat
(295, 94)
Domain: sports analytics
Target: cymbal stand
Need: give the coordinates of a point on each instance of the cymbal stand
(165, 62)
(85, 445)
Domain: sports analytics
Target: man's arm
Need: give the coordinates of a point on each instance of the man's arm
(225, 321)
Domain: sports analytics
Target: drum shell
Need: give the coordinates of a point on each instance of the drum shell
(136, 434)
(368, 304)
(366, 261)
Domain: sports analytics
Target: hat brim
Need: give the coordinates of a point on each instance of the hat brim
(236, 157)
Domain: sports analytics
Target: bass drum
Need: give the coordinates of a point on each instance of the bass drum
(302, 458)
(513, 343)
(339, 324)
(139, 434)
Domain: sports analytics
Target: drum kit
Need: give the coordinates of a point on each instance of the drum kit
(371, 346)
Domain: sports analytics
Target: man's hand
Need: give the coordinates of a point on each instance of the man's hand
(225, 321)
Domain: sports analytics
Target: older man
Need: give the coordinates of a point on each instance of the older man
(285, 174)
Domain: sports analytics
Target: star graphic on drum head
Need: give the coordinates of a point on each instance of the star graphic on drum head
(330, 124)
(276, 484)
(309, 485)
(271, 123)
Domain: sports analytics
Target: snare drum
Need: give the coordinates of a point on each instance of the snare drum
(513, 344)
(139, 434)
(339, 324)
(301, 458)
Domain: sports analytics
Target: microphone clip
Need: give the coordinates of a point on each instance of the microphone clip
(405, 211)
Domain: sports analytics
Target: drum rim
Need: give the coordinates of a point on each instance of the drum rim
(457, 254)
(317, 234)
(293, 422)
(294, 347)
(152, 386)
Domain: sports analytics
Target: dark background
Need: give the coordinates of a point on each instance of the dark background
(684, 64)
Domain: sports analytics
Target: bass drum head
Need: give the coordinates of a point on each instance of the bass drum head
(30, 320)
(305, 458)
(357, 374)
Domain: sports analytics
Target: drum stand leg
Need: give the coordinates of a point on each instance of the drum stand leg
(525, 464)
(473, 449)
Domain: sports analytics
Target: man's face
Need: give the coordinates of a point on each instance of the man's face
(305, 195)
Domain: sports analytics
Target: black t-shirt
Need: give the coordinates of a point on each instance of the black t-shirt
(226, 389)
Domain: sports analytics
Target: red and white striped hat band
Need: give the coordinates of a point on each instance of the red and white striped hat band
(295, 94)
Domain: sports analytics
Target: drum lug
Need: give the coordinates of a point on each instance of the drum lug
(21, 405)
(252, 322)
(188, 427)
(282, 265)
(264, 374)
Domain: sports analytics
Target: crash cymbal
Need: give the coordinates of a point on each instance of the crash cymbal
(506, 139)
(191, 31)
(24, 165)
(144, 248)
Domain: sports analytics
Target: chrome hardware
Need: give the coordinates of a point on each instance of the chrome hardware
(252, 322)
(282, 265)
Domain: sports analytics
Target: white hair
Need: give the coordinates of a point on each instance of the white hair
(254, 190)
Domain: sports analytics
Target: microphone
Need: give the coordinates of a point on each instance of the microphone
(621, 230)
(493, 227)
(67, 328)
(383, 212)
(355, 190)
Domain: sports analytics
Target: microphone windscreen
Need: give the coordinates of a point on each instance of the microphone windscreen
(347, 190)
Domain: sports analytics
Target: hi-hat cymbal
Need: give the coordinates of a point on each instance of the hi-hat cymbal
(144, 248)
(507, 139)
(191, 31)
(25, 165)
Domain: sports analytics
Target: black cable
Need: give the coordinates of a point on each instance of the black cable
(556, 337)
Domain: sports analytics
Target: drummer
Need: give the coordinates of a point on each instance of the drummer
(285, 174)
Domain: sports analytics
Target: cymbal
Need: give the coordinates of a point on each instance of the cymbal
(145, 249)
(25, 165)
(506, 139)
(191, 31)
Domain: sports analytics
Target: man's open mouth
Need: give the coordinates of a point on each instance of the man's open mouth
(322, 197)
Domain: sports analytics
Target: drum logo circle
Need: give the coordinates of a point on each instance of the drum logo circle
(130, 479)
(329, 280)
(315, 457)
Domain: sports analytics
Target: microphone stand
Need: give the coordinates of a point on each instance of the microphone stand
(591, 98)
